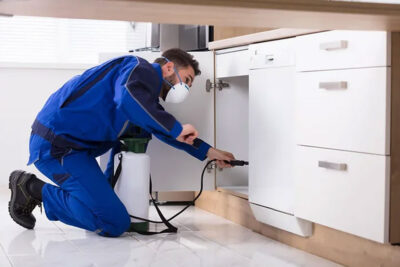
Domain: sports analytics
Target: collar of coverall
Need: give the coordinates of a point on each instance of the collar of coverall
(157, 67)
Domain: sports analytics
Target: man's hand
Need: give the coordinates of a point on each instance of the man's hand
(188, 134)
(220, 156)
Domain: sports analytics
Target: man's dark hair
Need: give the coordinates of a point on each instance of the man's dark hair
(180, 59)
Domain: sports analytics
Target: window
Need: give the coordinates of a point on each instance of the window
(55, 40)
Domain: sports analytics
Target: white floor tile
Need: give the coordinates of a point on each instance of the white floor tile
(37, 260)
(255, 247)
(188, 249)
(140, 256)
(203, 239)
(30, 242)
(4, 261)
(95, 244)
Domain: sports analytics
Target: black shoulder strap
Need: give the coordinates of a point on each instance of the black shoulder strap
(117, 173)
(170, 229)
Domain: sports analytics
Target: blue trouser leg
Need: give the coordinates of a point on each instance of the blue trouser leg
(84, 197)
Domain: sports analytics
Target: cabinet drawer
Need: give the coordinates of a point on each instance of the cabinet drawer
(344, 109)
(347, 191)
(342, 49)
(232, 62)
(272, 54)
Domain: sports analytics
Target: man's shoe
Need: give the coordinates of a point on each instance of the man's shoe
(22, 203)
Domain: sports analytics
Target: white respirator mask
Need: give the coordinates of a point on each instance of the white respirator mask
(178, 92)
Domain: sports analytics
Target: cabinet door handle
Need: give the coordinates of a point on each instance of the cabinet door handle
(337, 45)
(269, 59)
(333, 85)
(332, 165)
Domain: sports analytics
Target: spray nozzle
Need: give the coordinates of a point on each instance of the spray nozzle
(237, 162)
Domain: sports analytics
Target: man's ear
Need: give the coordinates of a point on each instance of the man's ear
(169, 68)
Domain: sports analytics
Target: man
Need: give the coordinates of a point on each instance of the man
(83, 120)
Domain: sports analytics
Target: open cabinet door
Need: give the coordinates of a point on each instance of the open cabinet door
(172, 169)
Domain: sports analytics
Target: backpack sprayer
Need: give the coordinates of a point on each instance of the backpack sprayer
(132, 180)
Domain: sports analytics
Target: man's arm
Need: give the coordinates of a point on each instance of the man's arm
(201, 150)
(198, 149)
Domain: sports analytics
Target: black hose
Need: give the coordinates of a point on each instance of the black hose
(192, 203)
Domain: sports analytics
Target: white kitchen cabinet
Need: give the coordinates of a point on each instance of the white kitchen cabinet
(319, 135)
(344, 190)
(346, 173)
(342, 50)
(232, 62)
(344, 109)
(272, 54)
(272, 140)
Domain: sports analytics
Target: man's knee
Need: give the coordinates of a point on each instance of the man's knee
(116, 225)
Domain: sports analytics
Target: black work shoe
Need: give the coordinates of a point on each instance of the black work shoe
(22, 203)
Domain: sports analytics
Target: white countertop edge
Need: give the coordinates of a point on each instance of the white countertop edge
(258, 37)
(22, 65)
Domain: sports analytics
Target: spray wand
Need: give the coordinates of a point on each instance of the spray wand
(236, 162)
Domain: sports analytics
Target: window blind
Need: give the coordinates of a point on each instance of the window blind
(55, 40)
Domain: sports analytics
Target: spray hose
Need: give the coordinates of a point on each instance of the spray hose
(171, 228)
(232, 163)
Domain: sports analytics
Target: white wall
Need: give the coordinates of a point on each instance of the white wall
(23, 91)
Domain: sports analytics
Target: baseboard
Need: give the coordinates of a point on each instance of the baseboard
(282, 220)
(174, 196)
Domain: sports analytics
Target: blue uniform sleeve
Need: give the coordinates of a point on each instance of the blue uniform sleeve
(139, 90)
(198, 150)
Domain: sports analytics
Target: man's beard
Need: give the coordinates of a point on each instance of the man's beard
(165, 87)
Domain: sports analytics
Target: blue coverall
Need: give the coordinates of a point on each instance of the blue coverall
(84, 119)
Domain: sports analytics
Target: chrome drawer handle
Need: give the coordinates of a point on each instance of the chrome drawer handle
(337, 45)
(332, 165)
(333, 85)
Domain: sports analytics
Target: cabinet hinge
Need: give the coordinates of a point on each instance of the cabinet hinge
(211, 167)
(218, 85)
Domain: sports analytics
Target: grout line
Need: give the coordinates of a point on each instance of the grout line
(5, 254)
(59, 228)
(69, 240)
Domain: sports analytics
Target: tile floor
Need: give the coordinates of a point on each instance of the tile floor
(203, 240)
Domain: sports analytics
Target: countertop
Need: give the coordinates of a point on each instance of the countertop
(258, 37)
(300, 14)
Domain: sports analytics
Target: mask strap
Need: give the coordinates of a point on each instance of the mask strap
(177, 74)
(170, 84)
(175, 70)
